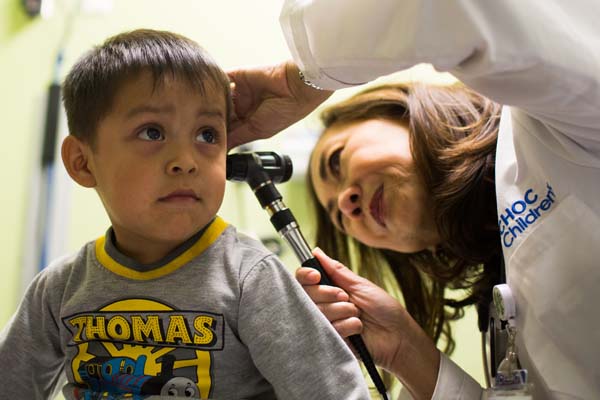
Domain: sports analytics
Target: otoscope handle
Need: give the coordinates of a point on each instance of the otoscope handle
(356, 340)
(361, 348)
(315, 264)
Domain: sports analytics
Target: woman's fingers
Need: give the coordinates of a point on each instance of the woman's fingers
(348, 327)
(331, 300)
(308, 276)
(268, 99)
(339, 274)
(309, 279)
(325, 294)
(339, 311)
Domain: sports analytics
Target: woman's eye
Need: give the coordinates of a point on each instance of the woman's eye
(151, 134)
(207, 135)
(334, 162)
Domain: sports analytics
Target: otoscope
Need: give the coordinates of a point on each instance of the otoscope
(261, 170)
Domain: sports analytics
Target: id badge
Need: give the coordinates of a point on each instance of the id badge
(510, 380)
(514, 387)
(499, 393)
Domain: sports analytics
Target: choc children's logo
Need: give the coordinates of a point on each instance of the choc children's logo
(524, 213)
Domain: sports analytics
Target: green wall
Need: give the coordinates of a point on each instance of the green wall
(235, 32)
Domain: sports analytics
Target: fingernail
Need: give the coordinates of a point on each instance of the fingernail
(342, 296)
(321, 253)
(314, 275)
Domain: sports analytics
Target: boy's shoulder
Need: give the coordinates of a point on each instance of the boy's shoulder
(248, 247)
(67, 263)
(235, 254)
(55, 277)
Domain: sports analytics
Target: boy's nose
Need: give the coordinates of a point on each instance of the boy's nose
(349, 202)
(182, 164)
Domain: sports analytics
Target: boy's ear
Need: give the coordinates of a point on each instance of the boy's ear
(75, 156)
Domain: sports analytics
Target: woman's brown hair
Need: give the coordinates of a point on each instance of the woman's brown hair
(453, 132)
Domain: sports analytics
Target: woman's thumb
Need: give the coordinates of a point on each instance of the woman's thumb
(338, 273)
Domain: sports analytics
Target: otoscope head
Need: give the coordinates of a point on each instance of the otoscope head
(259, 166)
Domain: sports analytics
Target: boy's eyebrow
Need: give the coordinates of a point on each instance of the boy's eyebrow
(212, 113)
(170, 109)
(149, 109)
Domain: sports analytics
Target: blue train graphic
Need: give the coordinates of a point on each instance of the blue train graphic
(110, 378)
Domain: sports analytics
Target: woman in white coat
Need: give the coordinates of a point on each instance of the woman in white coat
(539, 59)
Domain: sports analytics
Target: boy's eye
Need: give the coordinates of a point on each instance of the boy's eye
(334, 162)
(207, 135)
(151, 134)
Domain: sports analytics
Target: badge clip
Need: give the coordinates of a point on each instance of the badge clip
(510, 379)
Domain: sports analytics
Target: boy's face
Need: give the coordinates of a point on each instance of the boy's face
(159, 163)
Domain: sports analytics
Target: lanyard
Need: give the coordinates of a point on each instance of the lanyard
(509, 378)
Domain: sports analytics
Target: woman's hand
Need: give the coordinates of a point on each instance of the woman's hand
(394, 339)
(267, 100)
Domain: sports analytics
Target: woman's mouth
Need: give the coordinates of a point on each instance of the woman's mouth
(376, 207)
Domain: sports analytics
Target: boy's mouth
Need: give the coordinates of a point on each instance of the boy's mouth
(180, 195)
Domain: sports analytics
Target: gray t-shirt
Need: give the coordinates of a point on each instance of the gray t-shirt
(219, 318)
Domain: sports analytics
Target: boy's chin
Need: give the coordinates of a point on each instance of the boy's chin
(183, 231)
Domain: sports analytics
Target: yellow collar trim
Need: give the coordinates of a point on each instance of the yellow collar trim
(208, 237)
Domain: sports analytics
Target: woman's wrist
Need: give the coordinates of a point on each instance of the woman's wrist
(304, 90)
(417, 364)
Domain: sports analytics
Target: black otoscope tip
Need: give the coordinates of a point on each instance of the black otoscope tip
(237, 167)
(285, 169)
(242, 167)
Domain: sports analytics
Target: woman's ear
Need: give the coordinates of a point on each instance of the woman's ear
(75, 156)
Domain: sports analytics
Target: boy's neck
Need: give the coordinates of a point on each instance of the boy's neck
(152, 255)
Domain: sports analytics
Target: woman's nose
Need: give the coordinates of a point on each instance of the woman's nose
(349, 202)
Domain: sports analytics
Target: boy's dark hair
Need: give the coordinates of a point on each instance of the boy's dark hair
(92, 84)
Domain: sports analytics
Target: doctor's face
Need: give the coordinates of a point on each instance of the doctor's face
(364, 176)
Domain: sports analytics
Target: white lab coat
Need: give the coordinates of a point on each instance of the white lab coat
(541, 58)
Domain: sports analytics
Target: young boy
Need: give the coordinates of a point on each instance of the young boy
(171, 301)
